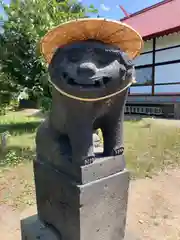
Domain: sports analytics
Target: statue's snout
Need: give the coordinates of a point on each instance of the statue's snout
(86, 70)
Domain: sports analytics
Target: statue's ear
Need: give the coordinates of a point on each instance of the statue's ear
(127, 61)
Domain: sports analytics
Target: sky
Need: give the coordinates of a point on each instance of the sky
(110, 8)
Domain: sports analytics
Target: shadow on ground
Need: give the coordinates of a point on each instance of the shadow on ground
(20, 128)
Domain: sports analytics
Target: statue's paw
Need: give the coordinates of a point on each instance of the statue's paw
(89, 160)
(118, 151)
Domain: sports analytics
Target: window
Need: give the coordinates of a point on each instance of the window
(169, 73)
(167, 55)
(144, 59)
(144, 76)
(141, 90)
(167, 89)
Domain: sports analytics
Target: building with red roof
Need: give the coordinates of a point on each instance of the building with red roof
(157, 90)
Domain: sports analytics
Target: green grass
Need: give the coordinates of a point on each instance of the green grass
(20, 143)
(149, 148)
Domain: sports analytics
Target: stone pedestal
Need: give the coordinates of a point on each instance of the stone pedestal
(94, 208)
(177, 110)
(33, 229)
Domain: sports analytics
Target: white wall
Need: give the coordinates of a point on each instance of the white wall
(169, 72)
(164, 73)
(148, 46)
(160, 56)
(168, 40)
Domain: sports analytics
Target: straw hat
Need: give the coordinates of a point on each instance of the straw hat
(107, 31)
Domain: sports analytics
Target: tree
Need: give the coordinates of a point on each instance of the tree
(24, 23)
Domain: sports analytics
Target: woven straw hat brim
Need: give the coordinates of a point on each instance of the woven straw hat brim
(105, 30)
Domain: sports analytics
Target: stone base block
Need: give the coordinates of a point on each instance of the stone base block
(95, 210)
(32, 229)
(101, 167)
(177, 111)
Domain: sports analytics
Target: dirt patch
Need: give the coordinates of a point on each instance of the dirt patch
(9, 223)
(153, 210)
(154, 207)
(17, 187)
(33, 113)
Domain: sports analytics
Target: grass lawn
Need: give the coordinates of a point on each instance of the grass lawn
(149, 148)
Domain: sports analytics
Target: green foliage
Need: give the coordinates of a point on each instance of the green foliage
(7, 88)
(45, 103)
(2, 109)
(24, 24)
(11, 158)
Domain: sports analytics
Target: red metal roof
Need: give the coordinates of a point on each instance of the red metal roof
(157, 20)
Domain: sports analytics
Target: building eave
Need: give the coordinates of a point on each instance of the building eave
(157, 20)
(162, 33)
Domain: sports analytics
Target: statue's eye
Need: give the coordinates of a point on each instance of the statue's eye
(74, 55)
(105, 59)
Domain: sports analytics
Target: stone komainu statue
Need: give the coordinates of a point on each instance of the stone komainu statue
(90, 72)
(90, 78)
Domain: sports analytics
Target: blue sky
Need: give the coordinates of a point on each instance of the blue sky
(110, 8)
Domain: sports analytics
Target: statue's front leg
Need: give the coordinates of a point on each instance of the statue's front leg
(112, 127)
(113, 136)
(51, 145)
(81, 139)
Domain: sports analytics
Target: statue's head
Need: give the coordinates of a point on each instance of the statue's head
(90, 58)
(90, 69)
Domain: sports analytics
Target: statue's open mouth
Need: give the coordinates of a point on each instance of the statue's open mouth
(98, 83)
